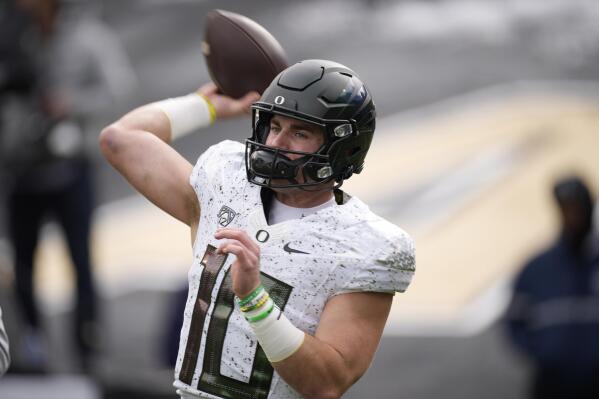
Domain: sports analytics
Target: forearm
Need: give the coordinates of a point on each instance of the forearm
(317, 370)
(341, 350)
(170, 118)
(137, 147)
(148, 118)
(308, 364)
(177, 117)
(327, 364)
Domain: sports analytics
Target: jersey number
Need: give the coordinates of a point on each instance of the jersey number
(211, 380)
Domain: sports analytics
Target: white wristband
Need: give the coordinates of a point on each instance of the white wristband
(187, 113)
(277, 336)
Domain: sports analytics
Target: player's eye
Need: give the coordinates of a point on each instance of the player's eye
(301, 134)
(275, 128)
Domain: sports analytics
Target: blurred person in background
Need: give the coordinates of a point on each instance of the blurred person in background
(554, 314)
(4, 350)
(64, 70)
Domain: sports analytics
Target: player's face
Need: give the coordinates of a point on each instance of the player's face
(291, 134)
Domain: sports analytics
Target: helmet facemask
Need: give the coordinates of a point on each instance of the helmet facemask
(282, 168)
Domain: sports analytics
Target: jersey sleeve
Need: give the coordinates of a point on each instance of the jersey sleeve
(217, 167)
(389, 270)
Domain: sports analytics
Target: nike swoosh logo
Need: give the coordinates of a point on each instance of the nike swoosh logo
(291, 250)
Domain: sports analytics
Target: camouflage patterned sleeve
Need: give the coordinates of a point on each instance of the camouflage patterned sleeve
(388, 270)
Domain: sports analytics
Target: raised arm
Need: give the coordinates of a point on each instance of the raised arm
(137, 145)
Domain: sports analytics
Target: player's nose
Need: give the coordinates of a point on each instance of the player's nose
(281, 140)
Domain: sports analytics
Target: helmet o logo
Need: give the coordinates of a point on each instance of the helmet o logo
(279, 100)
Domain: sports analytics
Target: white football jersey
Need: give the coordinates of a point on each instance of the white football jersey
(304, 262)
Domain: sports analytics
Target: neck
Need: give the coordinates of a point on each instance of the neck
(298, 198)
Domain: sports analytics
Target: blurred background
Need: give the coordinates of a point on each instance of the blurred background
(482, 105)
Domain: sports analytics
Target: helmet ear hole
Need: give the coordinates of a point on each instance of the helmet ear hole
(353, 151)
(349, 170)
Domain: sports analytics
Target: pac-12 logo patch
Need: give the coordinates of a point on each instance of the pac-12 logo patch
(226, 216)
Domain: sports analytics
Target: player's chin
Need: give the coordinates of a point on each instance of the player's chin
(282, 186)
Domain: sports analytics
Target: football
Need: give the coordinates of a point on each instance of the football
(241, 55)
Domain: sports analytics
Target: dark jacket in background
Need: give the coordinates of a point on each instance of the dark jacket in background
(554, 320)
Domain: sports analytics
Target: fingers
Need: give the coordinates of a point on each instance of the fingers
(247, 100)
(243, 104)
(240, 244)
(246, 267)
(246, 259)
(239, 235)
(225, 106)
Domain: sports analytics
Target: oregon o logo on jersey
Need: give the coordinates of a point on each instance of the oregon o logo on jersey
(262, 236)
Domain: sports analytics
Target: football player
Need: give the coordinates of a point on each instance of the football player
(292, 279)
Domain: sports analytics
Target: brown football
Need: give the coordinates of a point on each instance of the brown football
(241, 54)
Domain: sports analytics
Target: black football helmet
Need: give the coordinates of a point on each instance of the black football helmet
(320, 92)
